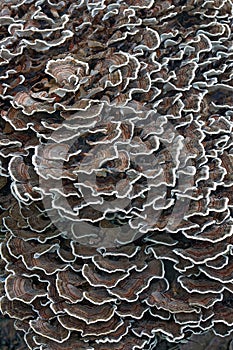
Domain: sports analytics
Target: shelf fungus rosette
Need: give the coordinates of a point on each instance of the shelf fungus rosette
(116, 165)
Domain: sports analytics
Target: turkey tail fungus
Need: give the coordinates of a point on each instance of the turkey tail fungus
(116, 171)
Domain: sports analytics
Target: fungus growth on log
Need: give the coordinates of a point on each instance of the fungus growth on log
(116, 171)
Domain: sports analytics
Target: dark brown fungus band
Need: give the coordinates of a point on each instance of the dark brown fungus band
(116, 171)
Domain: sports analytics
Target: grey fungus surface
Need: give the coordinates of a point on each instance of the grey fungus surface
(116, 171)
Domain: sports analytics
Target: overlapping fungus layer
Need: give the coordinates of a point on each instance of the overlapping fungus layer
(116, 166)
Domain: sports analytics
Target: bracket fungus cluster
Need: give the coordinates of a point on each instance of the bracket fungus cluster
(116, 171)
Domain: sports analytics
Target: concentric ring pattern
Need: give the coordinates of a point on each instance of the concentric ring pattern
(116, 171)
